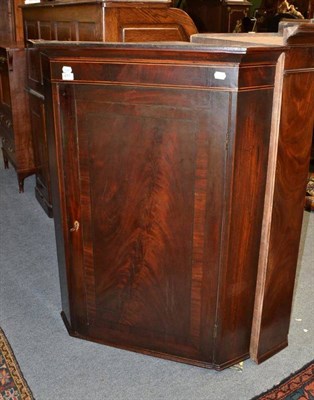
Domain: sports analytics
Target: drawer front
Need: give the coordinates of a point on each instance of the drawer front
(8, 146)
(6, 124)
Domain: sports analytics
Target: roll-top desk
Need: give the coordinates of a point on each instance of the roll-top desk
(168, 165)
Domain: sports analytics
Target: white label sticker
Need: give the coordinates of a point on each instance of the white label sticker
(220, 75)
(67, 74)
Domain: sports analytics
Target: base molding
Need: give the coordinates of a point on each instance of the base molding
(274, 350)
(44, 204)
(165, 356)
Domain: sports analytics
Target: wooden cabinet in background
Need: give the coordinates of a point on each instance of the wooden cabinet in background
(11, 22)
(106, 21)
(15, 128)
(90, 20)
(217, 15)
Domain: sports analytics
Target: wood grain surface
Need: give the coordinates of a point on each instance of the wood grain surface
(164, 167)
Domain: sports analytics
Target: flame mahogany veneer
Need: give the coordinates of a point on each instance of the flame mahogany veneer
(169, 166)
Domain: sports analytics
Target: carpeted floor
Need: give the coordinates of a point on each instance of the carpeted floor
(58, 367)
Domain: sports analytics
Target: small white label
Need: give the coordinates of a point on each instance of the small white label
(67, 74)
(220, 75)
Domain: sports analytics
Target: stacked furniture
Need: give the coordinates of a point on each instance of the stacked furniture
(22, 112)
(178, 178)
(176, 171)
(89, 20)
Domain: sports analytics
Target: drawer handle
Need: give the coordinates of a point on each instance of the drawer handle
(3, 140)
(3, 60)
(8, 123)
(10, 149)
(76, 227)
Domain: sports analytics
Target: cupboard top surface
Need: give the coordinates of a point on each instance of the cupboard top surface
(232, 46)
(182, 66)
(105, 3)
(252, 39)
(288, 34)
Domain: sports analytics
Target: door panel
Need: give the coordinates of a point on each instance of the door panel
(148, 247)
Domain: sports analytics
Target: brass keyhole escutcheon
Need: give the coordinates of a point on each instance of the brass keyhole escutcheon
(76, 227)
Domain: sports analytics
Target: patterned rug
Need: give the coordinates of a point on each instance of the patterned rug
(12, 383)
(309, 199)
(299, 386)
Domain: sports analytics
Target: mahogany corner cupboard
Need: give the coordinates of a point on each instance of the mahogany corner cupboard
(161, 158)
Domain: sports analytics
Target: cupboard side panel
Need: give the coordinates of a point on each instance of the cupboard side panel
(296, 128)
(52, 114)
(248, 152)
(63, 166)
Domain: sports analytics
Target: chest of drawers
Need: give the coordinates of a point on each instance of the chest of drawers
(15, 129)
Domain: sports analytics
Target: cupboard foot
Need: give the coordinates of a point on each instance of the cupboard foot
(21, 185)
(5, 160)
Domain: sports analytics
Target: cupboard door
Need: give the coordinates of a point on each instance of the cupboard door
(143, 197)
